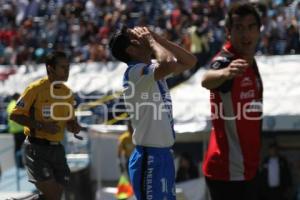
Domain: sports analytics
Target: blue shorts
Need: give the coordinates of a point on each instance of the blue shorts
(152, 173)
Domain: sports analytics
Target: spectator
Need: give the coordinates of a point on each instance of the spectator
(125, 148)
(69, 25)
(199, 40)
(187, 169)
(275, 176)
(293, 42)
(97, 52)
(17, 130)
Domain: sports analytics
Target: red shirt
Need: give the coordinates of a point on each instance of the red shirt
(236, 107)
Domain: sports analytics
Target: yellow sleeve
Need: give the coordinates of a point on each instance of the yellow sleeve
(25, 102)
(123, 137)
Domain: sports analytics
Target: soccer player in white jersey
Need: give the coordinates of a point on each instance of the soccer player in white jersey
(148, 102)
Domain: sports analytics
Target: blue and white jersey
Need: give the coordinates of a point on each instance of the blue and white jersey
(150, 107)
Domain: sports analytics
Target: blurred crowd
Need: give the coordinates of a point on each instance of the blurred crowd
(29, 29)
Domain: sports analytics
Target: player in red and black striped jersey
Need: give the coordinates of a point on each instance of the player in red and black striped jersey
(232, 158)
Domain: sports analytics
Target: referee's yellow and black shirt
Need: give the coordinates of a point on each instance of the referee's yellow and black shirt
(46, 102)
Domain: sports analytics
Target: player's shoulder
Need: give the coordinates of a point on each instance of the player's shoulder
(38, 83)
(66, 91)
(133, 66)
(138, 66)
(66, 88)
(139, 69)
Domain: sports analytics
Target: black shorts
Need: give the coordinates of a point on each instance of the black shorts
(232, 190)
(46, 162)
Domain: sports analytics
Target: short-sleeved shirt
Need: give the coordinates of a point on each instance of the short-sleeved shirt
(43, 101)
(150, 107)
(234, 149)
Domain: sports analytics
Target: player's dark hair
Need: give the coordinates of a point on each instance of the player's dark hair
(118, 44)
(53, 57)
(241, 9)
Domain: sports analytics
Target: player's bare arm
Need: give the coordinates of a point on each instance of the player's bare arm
(171, 58)
(183, 59)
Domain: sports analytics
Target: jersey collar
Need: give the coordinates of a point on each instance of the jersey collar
(132, 63)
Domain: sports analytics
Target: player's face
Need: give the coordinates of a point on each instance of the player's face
(244, 34)
(137, 50)
(62, 70)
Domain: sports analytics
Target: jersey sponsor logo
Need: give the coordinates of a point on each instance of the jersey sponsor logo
(246, 82)
(20, 103)
(218, 62)
(255, 106)
(46, 111)
(216, 65)
(250, 94)
(149, 178)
